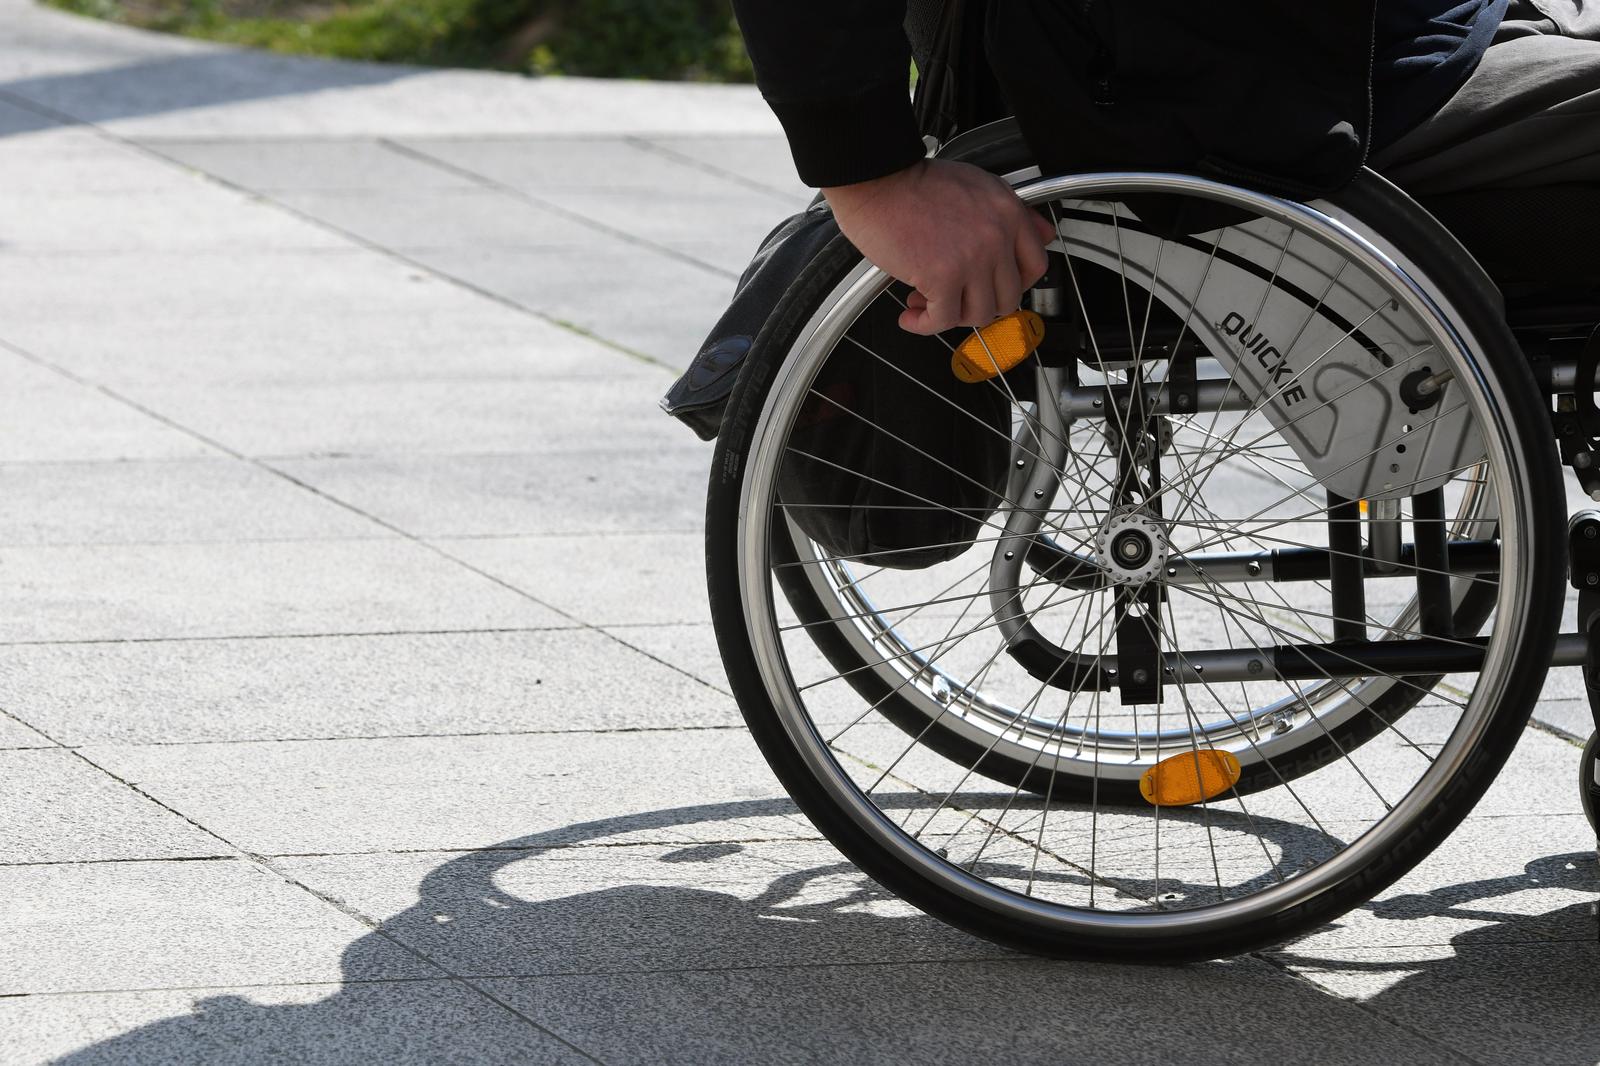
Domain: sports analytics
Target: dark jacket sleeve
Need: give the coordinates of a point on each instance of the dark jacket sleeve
(837, 75)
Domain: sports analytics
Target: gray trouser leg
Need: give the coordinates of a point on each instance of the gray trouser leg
(1528, 116)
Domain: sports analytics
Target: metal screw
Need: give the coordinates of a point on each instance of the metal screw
(1141, 676)
(1254, 666)
(1591, 579)
(1011, 555)
(1253, 568)
(1038, 493)
(1172, 571)
(1583, 460)
(1021, 463)
(1591, 532)
(1183, 401)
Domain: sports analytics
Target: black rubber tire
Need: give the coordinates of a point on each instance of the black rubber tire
(1438, 256)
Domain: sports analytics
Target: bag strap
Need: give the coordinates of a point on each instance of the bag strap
(955, 90)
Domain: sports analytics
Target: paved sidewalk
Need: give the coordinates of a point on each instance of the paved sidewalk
(357, 697)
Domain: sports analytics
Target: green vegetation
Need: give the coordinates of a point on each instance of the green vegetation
(670, 39)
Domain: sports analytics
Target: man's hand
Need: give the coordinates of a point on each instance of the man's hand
(955, 233)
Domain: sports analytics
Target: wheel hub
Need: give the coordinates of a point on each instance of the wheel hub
(1132, 546)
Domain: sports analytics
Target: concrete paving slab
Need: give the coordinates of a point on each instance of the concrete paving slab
(547, 165)
(18, 122)
(201, 217)
(15, 734)
(138, 925)
(47, 417)
(1487, 1003)
(682, 219)
(945, 1012)
(765, 161)
(462, 337)
(1541, 777)
(665, 580)
(411, 220)
(54, 808)
(318, 797)
(646, 302)
(168, 501)
(132, 592)
(1495, 880)
(1569, 717)
(123, 286)
(323, 164)
(353, 99)
(690, 647)
(438, 417)
(404, 1023)
(637, 908)
(604, 490)
(374, 686)
(71, 158)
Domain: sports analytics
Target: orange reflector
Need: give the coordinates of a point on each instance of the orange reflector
(1190, 777)
(1363, 506)
(998, 347)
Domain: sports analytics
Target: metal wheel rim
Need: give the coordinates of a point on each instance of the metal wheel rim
(1513, 508)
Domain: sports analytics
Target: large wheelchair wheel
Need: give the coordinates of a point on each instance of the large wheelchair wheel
(1288, 481)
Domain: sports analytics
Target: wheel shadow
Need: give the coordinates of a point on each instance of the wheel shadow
(722, 950)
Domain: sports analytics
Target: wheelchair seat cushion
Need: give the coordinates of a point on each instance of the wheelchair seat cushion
(1537, 236)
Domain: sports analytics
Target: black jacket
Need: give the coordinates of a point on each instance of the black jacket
(837, 74)
(1278, 95)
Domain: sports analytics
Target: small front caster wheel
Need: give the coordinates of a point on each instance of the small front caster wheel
(1589, 781)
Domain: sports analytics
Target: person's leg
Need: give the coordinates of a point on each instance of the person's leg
(1511, 163)
(1528, 116)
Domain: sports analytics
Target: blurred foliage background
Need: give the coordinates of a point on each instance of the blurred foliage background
(669, 39)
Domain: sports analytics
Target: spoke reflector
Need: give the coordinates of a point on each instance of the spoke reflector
(997, 347)
(1190, 777)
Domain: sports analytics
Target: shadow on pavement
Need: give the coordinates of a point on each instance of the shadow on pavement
(177, 83)
(696, 972)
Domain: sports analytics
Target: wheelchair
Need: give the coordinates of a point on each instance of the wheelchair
(1262, 605)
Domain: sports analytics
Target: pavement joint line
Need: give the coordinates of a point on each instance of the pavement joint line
(371, 538)
(142, 989)
(332, 635)
(493, 849)
(135, 860)
(1016, 959)
(685, 159)
(1556, 731)
(192, 542)
(369, 738)
(186, 253)
(1285, 968)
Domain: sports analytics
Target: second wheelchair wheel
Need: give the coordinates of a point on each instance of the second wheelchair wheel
(1265, 488)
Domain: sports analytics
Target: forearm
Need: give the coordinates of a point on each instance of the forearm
(836, 73)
